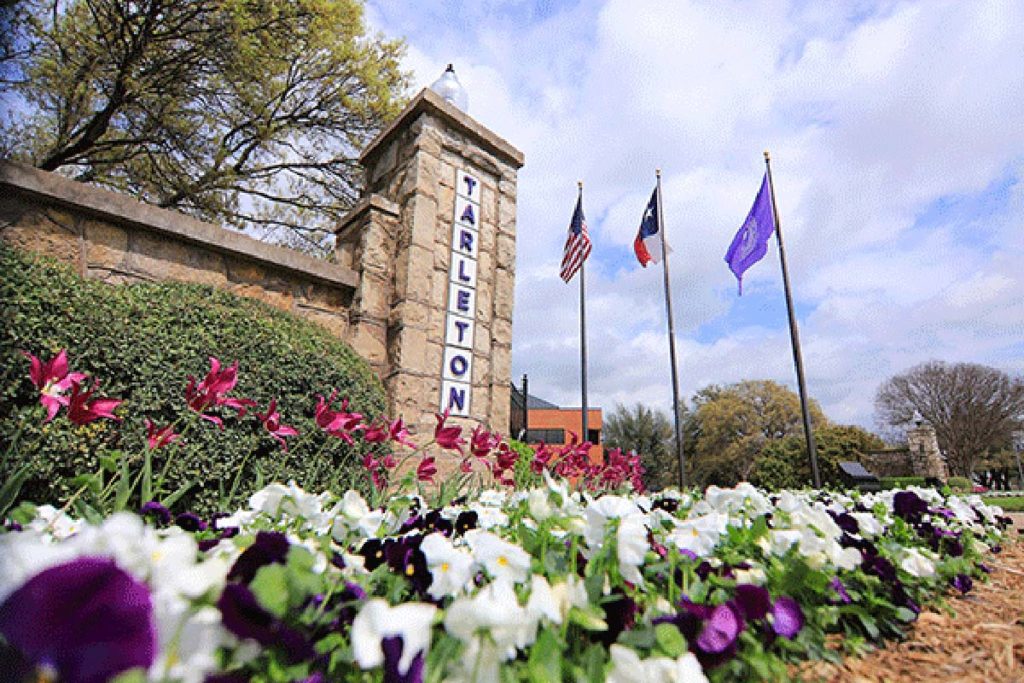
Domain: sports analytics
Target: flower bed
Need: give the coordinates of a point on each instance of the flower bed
(543, 584)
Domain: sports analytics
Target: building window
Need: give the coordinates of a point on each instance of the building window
(545, 435)
(594, 436)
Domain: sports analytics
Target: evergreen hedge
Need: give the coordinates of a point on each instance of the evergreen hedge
(142, 341)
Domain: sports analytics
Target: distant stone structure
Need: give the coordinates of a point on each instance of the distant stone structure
(920, 458)
(410, 262)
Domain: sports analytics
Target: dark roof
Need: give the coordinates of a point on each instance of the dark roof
(539, 403)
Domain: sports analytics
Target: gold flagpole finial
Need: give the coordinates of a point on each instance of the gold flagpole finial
(767, 156)
(579, 184)
(657, 172)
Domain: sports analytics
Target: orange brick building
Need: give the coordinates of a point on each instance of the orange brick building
(555, 425)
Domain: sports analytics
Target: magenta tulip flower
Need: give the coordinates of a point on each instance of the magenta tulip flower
(158, 438)
(426, 469)
(52, 379)
(448, 437)
(272, 422)
(83, 409)
(341, 423)
(212, 392)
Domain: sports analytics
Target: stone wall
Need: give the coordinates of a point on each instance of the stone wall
(113, 238)
(386, 294)
(921, 457)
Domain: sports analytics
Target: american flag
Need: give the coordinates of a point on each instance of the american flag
(577, 243)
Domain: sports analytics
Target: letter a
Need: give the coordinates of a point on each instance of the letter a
(467, 215)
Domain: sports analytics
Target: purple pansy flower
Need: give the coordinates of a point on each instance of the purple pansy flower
(787, 617)
(962, 583)
(157, 511)
(721, 630)
(269, 547)
(85, 620)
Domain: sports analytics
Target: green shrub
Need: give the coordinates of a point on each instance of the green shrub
(141, 341)
(901, 482)
(960, 484)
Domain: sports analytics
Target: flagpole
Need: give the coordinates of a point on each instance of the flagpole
(583, 338)
(794, 333)
(671, 341)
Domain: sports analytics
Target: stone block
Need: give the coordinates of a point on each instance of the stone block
(331, 299)
(507, 214)
(276, 298)
(369, 341)
(501, 363)
(501, 331)
(335, 323)
(408, 350)
(410, 313)
(245, 272)
(49, 232)
(106, 245)
(504, 294)
(424, 226)
(163, 259)
(506, 251)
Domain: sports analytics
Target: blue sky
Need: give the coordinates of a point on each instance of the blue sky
(897, 144)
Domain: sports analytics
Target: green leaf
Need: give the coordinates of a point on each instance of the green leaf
(670, 641)
(12, 487)
(174, 497)
(124, 487)
(545, 662)
(131, 676)
(270, 586)
(589, 618)
(904, 614)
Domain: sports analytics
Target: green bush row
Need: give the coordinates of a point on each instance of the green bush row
(142, 341)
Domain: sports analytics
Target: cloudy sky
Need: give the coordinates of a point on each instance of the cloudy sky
(897, 138)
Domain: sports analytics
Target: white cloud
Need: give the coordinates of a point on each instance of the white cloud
(897, 150)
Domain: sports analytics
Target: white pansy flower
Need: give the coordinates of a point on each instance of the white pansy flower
(378, 620)
(492, 498)
(539, 505)
(188, 642)
(501, 559)
(451, 569)
(916, 564)
(627, 667)
(496, 613)
(699, 534)
(352, 512)
(868, 524)
(489, 517)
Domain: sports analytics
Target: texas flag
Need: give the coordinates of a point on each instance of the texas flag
(647, 244)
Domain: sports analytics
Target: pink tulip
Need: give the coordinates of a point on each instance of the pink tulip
(376, 433)
(158, 438)
(483, 442)
(272, 421)
(426, 469)
(211, 392)
(83, 409)
(340, 423)
(399, 434)
(52, 379)
(448, 437)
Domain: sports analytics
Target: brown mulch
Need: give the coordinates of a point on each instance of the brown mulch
(982, 641)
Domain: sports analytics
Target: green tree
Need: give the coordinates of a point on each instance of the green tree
(730, 426)
(247, 113)
(783, 463)
(648, 432)
(974, 408)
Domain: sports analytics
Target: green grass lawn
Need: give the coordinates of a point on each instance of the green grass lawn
(1009, 504)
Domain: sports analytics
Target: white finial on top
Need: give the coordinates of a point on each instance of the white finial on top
(448, 87)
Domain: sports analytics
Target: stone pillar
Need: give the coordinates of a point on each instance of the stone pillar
(416, 247)
(925, 456)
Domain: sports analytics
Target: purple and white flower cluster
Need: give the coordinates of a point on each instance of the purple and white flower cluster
(543, 584)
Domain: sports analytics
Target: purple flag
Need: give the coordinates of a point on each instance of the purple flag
(751, 242)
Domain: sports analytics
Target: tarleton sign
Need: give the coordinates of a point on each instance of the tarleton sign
(457, 368)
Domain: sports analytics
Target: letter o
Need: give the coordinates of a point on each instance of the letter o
(458, 365)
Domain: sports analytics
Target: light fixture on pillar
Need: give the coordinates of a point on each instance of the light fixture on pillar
(448, 87)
